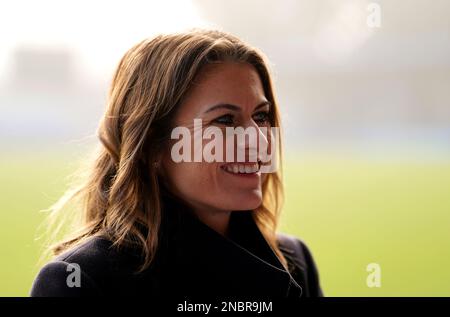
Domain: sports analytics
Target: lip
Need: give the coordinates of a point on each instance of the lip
(243, 175)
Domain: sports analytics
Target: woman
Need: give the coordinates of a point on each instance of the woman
(157, 225)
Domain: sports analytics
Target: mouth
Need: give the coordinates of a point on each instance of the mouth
(242, 169)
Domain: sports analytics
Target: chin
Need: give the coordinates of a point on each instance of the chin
(247, 202)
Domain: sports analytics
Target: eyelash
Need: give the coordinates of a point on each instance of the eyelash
(230, 117)
(265, 118)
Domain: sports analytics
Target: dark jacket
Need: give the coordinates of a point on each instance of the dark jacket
(192, 259)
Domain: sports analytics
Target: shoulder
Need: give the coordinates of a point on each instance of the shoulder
(295, 249)
(80, 271)
(301, 263)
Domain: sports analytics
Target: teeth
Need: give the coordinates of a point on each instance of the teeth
(242, 168)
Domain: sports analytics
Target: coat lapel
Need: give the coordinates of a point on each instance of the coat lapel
(201, 261)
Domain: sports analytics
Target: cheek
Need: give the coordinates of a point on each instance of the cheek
(193, 181)
(205, 185)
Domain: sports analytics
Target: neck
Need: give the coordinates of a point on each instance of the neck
(216, 220)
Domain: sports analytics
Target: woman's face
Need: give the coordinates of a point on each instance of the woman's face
(223, 95)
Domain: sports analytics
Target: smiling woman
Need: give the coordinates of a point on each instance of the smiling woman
(155, 226)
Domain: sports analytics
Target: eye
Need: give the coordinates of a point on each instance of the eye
(261, 117)
(225, 119)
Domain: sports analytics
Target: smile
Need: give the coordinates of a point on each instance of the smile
(242, 168)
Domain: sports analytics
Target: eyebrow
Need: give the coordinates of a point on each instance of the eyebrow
(234, 107)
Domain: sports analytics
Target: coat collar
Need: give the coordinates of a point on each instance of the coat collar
(202, 261)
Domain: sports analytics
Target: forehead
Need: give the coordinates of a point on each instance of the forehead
(233, 83)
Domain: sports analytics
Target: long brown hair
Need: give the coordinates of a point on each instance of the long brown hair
(121, 194)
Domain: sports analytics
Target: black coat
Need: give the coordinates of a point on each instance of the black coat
(192, 259)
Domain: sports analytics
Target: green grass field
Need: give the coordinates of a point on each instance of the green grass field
(350, 212)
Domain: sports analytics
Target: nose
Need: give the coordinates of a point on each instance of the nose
(250, 141)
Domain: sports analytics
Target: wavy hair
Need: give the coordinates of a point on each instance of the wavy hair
(116, 199)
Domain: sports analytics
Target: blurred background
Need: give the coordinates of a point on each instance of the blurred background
(366, 110)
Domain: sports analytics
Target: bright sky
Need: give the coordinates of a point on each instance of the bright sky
(98, 32)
